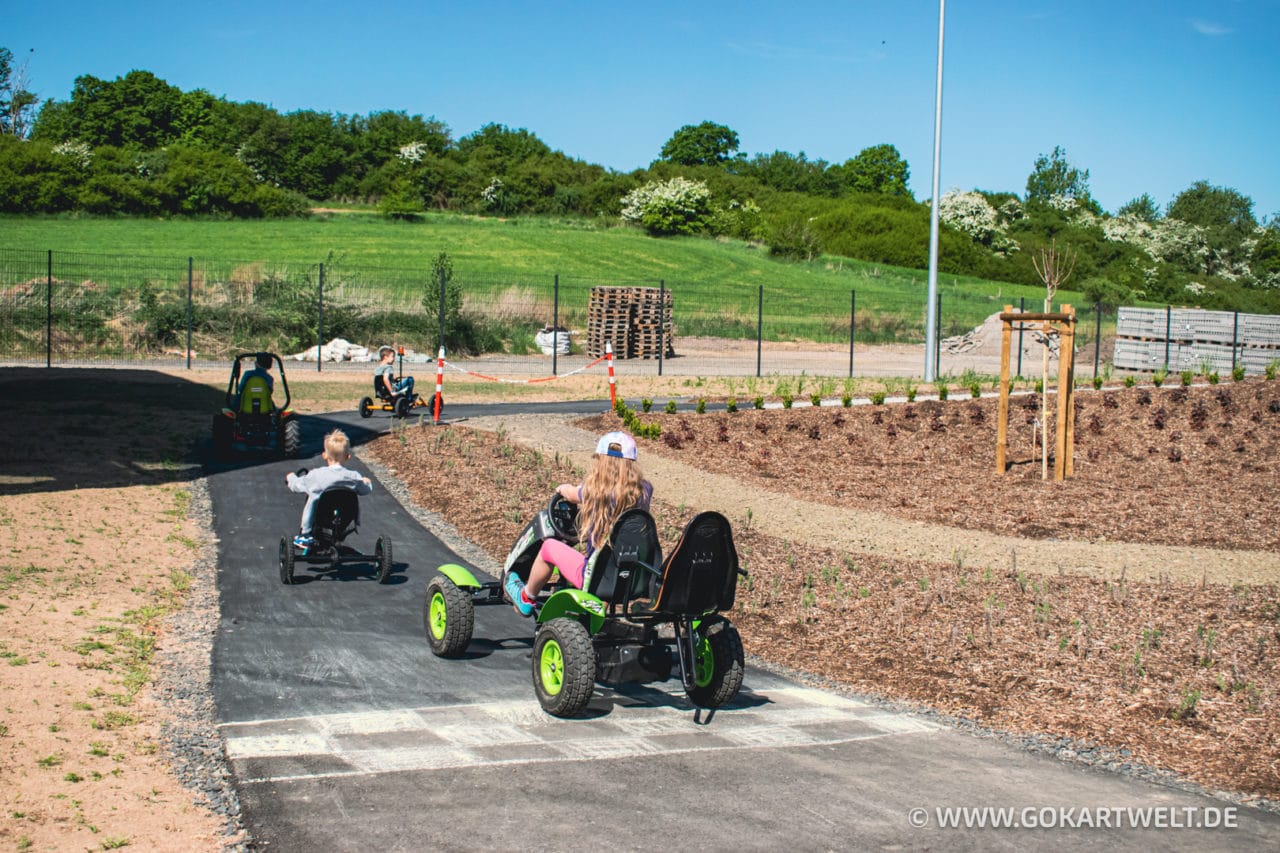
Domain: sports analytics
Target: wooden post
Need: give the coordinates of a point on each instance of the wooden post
(1070, 355)
(1002, 422)
(1066, 345)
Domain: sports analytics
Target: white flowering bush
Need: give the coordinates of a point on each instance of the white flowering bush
(971, 213)
(677, 206)
(77, 151)
(413, 152)
(495, 197)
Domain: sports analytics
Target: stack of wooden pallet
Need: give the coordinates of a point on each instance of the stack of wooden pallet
(636, 321)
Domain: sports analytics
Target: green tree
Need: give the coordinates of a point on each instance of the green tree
(1054, 176)
(1143, 207)
(1213, 207)
(878, 169)
(702, 144)
(17, 103)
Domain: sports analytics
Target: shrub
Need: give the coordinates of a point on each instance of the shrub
(877, 398)
(677, 206)
(1237, 373)
(1129, 381)
(942, 392)
(702, 406)
(758, 402)
(1186, 376)
(815, 400)
(731, 405)
(1097, 382)
(975, 390)
(671, 407)
(911, 393)
(646, 404)
(1213, 377)
(1157, 378)
(786, 399)
(846, 400)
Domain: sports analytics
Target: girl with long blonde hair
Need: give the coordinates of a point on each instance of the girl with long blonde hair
(612, 486)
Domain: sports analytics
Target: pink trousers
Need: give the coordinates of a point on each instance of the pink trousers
(571, 563)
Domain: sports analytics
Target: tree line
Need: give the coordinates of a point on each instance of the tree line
(139, 146)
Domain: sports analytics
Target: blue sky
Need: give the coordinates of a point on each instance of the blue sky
(1149, 96)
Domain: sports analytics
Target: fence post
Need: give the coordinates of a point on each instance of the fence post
(320, 322)
(853, 312)
(662, 311)
(48, 315)
(937, 336)
(1097, 340)
(1022, 309)
(190, 309)
(442, 287)
(1168, 333)
(1235, 339)
(759, 327)
(555, 321)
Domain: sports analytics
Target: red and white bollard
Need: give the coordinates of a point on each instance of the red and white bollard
(439, 385)
(613, 388)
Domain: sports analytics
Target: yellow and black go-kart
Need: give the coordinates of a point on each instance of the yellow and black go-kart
(400, 404)
(249, 417)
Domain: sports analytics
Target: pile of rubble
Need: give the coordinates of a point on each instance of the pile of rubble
(987, 337)
(339, 349)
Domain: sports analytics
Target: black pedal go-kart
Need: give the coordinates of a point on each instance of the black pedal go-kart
(337, 516)
(249, 416)
(638, 618)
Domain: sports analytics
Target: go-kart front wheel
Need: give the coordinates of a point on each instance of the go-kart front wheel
(403, 405)
(286, 560)
(382, 556)
(564, 667)
(717, 664)
(366, 407)
(448, 617)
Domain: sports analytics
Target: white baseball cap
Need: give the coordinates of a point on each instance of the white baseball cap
(626, 445)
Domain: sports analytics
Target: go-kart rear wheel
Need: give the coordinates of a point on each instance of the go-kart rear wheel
(366, 407)
(382, 555)
(717, 664)
(448, 617)
(291, 439)
(222, 436)
(286, 560)
(564, 667)
(403, 405)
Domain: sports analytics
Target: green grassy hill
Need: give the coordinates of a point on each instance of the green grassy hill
(716, 282)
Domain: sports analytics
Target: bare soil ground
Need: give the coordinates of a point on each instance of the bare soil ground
(1174, 669)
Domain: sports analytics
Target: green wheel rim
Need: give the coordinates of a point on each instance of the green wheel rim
(437, 616)
(704, 664)
(551, 668)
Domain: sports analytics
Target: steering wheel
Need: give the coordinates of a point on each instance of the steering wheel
(564, 518)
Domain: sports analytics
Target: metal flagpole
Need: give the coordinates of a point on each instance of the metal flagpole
(931, 317)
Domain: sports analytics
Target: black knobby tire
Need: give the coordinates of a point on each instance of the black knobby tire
(366, 407)
(222, 434)
(291, 439)
(564, 667)
(286, 561)
(448, 617)
(403, 405)
(718, 664)
(382, 554)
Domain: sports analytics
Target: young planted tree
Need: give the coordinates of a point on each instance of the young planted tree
(1054, 268)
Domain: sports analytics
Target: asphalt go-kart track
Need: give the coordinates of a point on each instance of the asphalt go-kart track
(344, 732)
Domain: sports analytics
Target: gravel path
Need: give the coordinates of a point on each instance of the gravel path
(865, 531)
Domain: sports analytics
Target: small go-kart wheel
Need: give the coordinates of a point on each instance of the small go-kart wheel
(291, 439)
(403, 405)
(382, 555)
(448, 617)
(717, 664)
(286, 560)
(366, 407)
(564, 667)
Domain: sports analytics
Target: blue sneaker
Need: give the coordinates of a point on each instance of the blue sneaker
(514, 590)
(304, 543)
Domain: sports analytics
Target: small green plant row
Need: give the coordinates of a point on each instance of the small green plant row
(634, 425)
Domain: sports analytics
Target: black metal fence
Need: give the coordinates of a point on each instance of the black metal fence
(72, 308)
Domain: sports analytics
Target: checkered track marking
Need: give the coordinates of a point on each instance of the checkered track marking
(518, 732)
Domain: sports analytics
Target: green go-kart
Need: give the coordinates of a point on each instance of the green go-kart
(637, 619)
